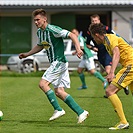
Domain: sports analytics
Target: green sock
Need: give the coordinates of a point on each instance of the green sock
(99, 76)
(52, 99)
(82, 78)
(73, 105)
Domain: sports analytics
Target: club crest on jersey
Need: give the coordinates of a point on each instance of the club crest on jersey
(45, 44)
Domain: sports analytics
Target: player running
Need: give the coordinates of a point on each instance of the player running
(51, 37)
(121, 52)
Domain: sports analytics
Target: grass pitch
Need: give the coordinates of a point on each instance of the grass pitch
(27, 110)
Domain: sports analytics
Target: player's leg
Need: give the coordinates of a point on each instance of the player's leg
(67, 98)
(114, 99)
(119, 82)
(58, 111)
(44, 85)
(48, 77)
(107, 62)
(90, 65)
(81, 75)
(131, 88)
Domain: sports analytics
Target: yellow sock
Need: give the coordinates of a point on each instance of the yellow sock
(118, 107)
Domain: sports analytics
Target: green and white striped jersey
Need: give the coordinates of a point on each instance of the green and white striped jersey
(52, 40)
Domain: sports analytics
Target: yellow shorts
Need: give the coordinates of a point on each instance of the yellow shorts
(124, 78)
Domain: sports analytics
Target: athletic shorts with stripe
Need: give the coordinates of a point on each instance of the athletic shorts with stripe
(124, 78)
(58, 74)
(87, 63)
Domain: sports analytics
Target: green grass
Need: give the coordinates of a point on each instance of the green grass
(27, 110)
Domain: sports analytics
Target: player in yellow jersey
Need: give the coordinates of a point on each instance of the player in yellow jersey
(121, 52)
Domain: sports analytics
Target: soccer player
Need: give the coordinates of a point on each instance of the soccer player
(87, 62)
(103, 56)
(51, 37)
(121, 52)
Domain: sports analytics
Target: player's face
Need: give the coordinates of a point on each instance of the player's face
(97, 39)
(95, 20)
(40, 21)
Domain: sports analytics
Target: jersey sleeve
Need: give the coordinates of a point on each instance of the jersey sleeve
(114, 42)
(58, 31)
(64, 33)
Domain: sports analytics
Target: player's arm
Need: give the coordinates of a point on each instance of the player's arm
(35, 49)
(75, 52)
(92, 47)
(115, 61)
(88, 40)
(76, 44)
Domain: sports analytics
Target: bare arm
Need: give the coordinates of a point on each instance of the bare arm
(115, 61)
(74, 53)
(35, 49)
(77, 44)
(92, 47)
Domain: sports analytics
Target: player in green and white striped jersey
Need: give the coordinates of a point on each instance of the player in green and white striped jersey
(51, 37)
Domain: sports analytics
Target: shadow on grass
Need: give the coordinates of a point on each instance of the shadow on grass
(91, 97)
(55, 124)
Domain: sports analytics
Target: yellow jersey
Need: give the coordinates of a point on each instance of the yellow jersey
(126, 50)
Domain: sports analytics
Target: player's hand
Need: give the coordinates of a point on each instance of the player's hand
(22, 55)
(79, 53)
(110, 77)
(73, 53)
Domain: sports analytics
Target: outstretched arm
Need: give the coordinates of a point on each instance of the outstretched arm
(92, 47)
(77, 44)
(35, 49)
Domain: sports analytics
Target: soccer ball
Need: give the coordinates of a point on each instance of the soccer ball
(1, 115)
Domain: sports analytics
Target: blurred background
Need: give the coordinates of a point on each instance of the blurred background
(18, 32)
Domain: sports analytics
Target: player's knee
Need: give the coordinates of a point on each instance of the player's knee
(43, 85)
(92, 71)
(78, 71)
(40, 84)
(59, 92)
(109, 91)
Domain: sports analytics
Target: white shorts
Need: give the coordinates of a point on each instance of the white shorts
(58, 74)
(87, 63)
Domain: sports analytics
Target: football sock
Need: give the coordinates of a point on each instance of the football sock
(52, 99)
(82, 78)
(99, 76)
(118, 107)
(73, 105)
